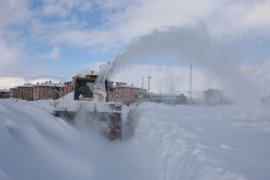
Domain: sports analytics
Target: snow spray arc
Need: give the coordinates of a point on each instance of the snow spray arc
(217, 56)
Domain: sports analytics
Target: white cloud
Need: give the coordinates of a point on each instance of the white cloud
(10, 56)
(94, 66)
(63, 8)
(126, 20)
(240, 17)
(54, 54)
(129, 22)
(146, 16)
(13, 12)
(81, 38)
(50, 10)
(133, 19)
(10, 82)
(258, 15)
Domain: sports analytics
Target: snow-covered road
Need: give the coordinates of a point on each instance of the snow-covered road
(159, 142)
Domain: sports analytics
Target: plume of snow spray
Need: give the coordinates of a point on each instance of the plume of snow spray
(219, 57)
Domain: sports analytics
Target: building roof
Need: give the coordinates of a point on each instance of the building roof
(14, 88)
(45, 84)
(27, 85)
(50, 84)
(68, 82)
(4, 90)
(125, 86)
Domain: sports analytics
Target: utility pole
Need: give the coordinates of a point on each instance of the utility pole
(190, 84)
(149, 78)
(142, 82)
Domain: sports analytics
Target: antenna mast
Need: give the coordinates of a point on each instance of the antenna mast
(190, 84)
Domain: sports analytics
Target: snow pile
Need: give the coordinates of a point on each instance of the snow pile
(49, 104)
(69, 96)
(36, 145)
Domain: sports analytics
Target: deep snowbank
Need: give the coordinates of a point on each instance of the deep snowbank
(36, 145)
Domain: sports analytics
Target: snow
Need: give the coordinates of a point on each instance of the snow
(50, 84)
(160, 142)
(197, 142)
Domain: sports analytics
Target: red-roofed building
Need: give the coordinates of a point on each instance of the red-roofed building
(126, 94)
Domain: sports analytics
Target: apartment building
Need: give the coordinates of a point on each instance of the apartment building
(48, 90)
(4, 93)
(127, 94)
(26, 92)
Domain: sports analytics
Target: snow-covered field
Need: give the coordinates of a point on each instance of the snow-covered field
(159, 142)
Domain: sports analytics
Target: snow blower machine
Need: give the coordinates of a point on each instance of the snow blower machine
(90, 103)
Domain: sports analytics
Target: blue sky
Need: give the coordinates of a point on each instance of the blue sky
(54, 39)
